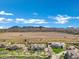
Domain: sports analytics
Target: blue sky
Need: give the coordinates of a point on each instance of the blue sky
(47, 13)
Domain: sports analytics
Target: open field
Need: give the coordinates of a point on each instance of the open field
(38, 37)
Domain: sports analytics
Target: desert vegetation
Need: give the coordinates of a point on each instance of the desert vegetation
(13, 41)
(37, 37)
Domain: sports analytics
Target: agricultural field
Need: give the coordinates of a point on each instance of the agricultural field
(37, 37)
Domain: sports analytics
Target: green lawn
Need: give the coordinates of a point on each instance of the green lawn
(2, 49)
(57, 50)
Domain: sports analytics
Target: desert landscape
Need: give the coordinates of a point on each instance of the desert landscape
(39, 29)
(38, 42)
(38, 37)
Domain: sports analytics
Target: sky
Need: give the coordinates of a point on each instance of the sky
(46, 13)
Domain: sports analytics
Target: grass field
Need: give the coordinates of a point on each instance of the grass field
(19, 54)
(38, 37)
(33, 37)
(23, 57)
(57, 50)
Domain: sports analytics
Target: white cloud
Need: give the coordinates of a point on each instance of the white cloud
(22, 20)
(31, 21)
(60, 19)
(35, 21)
(70, 26)
(1, 27)
(19, 20)
(8, 20)
(5, 20)
(47, 26)
(75, 17)
(5, 13)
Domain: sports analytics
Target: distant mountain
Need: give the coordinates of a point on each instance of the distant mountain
(69, 30)
(15, 27)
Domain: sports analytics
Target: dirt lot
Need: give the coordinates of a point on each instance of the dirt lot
(36, 37)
